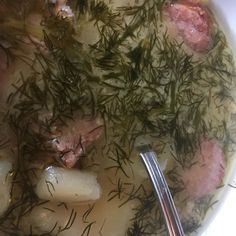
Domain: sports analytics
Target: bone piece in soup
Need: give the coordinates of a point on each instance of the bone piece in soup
(73, 186)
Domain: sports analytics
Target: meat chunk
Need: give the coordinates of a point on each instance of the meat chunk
(72, 141)
(193, 24)
(205, 175)
(198, 1)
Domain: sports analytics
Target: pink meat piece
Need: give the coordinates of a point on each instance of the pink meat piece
(62, 9)
(75, 138)
(207, 173)
(194, 1)
(192, 22)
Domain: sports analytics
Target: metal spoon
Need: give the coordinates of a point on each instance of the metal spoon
(171, 216)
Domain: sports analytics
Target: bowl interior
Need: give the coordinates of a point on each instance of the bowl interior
(218, 217)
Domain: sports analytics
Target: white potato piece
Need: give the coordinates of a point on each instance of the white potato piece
(67, 185)
(5, 184)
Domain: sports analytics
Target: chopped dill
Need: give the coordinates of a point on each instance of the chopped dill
(87, 213)
(86, 231)
(70, 221)
(135, 76)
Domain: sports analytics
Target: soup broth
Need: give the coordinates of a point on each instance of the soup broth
(83, 83)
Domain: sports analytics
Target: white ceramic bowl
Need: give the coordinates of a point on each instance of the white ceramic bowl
(221, 220)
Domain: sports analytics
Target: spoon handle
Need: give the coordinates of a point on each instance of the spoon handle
(173, 223)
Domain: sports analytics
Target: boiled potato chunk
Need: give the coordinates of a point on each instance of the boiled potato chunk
(5, 184)
(67, 185)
